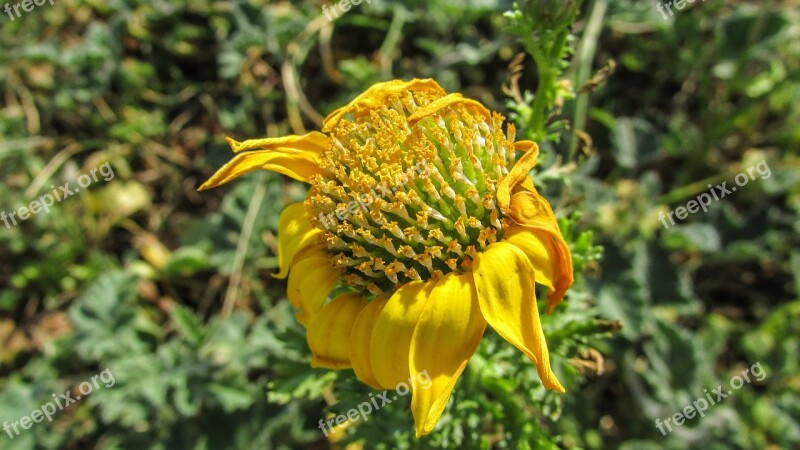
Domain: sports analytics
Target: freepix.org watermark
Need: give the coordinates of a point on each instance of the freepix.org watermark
(336, 9)
(699, 406)
(48, 410)
(422, 380)
(679, 5)
(715, 194)
(25, 5)
(366, 199)
(44, 202)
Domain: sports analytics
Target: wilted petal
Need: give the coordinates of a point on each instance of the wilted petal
(544, 244)
(504, 280)
(294, 156)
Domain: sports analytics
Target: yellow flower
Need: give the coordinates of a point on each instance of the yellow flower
(419, 204)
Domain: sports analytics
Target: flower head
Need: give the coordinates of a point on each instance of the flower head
(419, 204)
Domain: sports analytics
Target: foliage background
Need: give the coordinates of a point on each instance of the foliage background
(170, 289)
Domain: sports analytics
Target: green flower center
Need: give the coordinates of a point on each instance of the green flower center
(408, 200)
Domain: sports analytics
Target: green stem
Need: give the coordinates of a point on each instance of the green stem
(585, 58)
(691, 190)
(541, 103)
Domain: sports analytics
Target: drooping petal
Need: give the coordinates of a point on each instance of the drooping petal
(550, 258)
(537, 251)
(447, 334)
(310, 282)
(294, 156)
(360, 338)
(391, 337)
(545, 245)
(518, 174)
(295, 166)
(329, 331)
(505, 285)
(373, 98)
(445, 102)
(295, 233)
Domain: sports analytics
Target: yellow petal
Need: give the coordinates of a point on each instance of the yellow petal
(446, 102)
(526, 146)
(373, 98)
(295, 233)
(528, 208)
(313, 142)
(329, 331)
(517, 174)
(360, 342)
(311, 251)
(527, 184)
(294, 156)
(538, 252)
(310, 282)
(531, 212)
(504, 280)
(447, 334)
(391, 337)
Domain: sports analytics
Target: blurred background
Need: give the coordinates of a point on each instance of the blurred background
(170, 290)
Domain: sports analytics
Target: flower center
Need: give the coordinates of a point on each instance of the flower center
(403, 200)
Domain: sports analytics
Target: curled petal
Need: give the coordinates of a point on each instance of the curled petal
(447, 334)
(373, 98)
(312, 143)
(538, 235)
(507, 298)
(294, 156)
(329, 331)
(527, 146)
(518, 174)
(446, 102)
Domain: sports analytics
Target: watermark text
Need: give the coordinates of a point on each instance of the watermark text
(714, 194)
(717, 395)
(422, 380)
(44, 202)
(63, 401)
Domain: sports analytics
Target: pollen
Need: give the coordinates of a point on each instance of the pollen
(408, 187)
